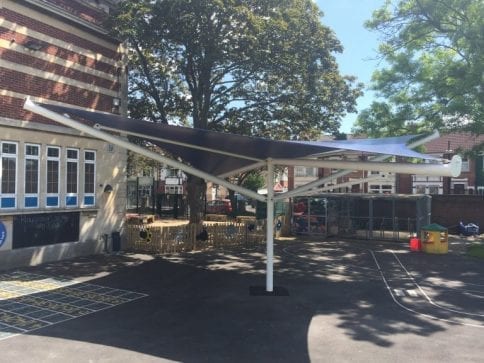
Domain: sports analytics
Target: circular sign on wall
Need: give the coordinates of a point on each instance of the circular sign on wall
(3, 233)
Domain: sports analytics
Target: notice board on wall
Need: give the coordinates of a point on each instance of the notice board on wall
(33, 230)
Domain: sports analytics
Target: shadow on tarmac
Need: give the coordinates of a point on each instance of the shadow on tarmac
(199, 309)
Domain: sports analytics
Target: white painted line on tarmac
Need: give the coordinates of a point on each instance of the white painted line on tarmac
(399, 292)
(413, 293)
(428, 297)
(412, 310)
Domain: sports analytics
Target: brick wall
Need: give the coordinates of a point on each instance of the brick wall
(404, 184)
(448, 210)
(82, 11)
(73, 66)
(30, 61)
(56, 33)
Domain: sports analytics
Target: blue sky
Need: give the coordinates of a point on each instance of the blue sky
(346, 18)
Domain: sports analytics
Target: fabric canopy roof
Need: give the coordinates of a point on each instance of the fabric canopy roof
(212, 154)
(220, 153)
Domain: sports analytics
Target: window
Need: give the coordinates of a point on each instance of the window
(433, 189)
(8, 176)
(53, 172)
(173, 189)
(31, 180)
(171, 173)
(304, 171)
(459, 189)
(420, 189)
(375, 189)
(465, 165)
(386, 189)
(72, 173)
(89, 178)
(299, 171)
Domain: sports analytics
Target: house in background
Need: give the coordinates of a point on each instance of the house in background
(471, 180)
(61, 193)
(354, 182)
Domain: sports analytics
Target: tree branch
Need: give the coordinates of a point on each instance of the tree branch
(152, 91)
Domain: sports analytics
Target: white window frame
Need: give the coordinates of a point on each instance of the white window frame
(35, 158)
(13, 195)
(381, 188)
(374, 188)
(305, 172)
(50, 195)
(70, 195)
(93, 193)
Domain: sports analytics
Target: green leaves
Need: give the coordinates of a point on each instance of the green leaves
(435, 72)
(256, 67)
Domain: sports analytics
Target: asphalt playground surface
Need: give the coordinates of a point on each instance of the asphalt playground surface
(349, 301)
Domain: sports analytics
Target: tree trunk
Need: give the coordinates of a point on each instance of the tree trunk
(196, 189)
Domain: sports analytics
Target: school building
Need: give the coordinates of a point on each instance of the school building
(62, 193)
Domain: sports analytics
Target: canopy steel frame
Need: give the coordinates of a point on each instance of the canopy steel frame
(450, 169)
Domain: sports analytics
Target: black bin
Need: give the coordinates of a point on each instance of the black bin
(116, 239)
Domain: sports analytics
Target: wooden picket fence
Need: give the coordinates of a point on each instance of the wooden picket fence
(170, 239)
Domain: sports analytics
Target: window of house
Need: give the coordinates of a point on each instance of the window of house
(386, 189)
(459, 189)
(53, 176)
(171, 173)
(31, 177)
(89, 178)
(465, 165)
(433, 189)
(420, 189)
(304, 171)
(374, 188)
(8, 176)
(173, 189)
(72, 177)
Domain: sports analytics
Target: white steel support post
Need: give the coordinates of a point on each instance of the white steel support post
(270, 227)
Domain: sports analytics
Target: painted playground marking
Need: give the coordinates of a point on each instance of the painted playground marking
(31, 301)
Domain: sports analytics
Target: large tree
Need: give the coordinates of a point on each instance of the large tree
(253, 67)
(432, 51)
